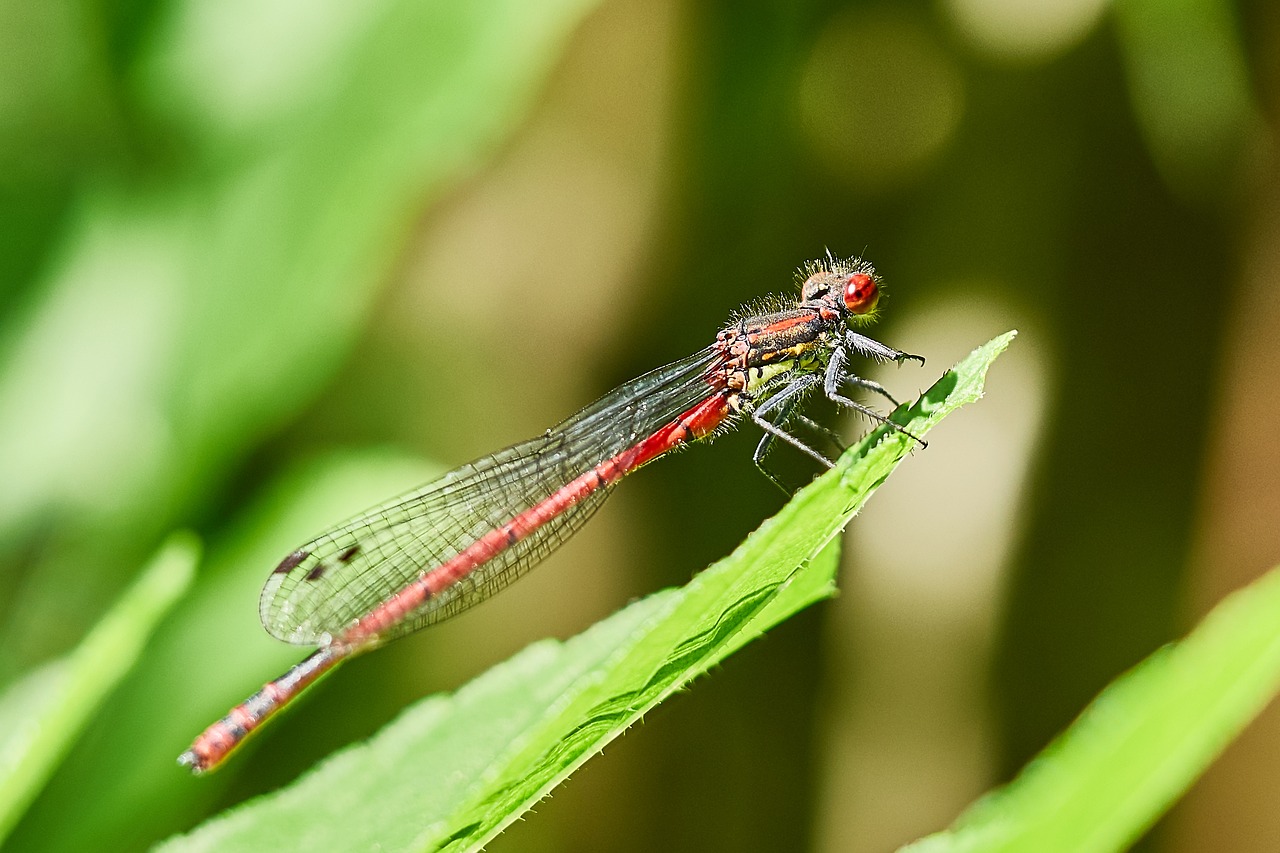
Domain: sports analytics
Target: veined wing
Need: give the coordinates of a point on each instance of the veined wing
(328, 584)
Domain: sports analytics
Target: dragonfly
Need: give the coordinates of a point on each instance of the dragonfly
(431, 553)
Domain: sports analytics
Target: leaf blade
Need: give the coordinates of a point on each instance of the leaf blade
(1140, 744)
(501, 743)
(42, 713)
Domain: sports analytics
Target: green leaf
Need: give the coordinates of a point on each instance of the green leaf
(183, 319)
(1141, 743)
(453, 771)
(199, 662)
(42, 713)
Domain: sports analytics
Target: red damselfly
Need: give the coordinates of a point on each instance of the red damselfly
(434, 552)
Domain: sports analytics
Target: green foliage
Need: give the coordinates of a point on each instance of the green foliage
(181, 320)
(453, 771)
(201, 661)
(191, 303)
(200, 203)
(1141, 743)
(42, 713)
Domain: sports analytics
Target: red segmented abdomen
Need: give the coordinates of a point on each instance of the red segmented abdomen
(217, 741)
(695, 423)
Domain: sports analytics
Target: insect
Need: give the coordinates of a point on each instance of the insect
(434, 552)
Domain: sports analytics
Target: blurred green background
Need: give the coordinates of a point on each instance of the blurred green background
(267, 262)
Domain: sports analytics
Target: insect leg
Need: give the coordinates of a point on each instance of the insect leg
(765, 445)
(836, 375)
(839, 364)
(780, 400)
(870, 348)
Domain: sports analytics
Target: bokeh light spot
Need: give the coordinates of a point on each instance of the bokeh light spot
(1014, 30)
(878, 99)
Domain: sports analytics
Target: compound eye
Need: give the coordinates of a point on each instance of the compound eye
(815, 287)
(861, 293)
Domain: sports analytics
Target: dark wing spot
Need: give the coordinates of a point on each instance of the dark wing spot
(291, 562)
(317, 571)
(347, 555)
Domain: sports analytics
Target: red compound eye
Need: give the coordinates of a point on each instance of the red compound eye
(860, 293)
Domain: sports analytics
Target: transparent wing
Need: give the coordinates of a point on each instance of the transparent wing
(325, 586)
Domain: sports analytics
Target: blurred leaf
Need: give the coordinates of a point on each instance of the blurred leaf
(453, 771)
(1189, 83)
(42, 714)
(189, 315)
(207, 657)
(1141, 743)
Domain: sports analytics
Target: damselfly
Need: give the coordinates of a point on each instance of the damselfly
(434, 552)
